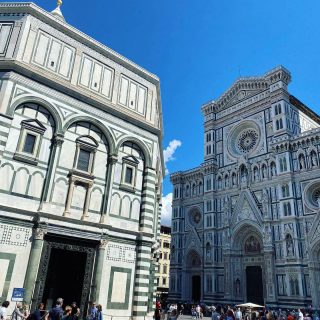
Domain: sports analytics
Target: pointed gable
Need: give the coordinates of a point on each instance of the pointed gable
(246, 87)
(246, 209)
(194, 241)
(314, 234)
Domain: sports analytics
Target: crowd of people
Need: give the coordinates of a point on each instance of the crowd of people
(198, 311)
(58, 312)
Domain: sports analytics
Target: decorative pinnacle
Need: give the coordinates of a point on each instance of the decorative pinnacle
(59, 3)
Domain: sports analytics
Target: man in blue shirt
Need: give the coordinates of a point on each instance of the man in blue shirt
(56, 313)
(93, 312)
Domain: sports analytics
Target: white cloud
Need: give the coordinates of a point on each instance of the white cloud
(169, 152)
(166, 213)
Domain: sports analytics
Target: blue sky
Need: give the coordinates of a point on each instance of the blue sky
(199, 48)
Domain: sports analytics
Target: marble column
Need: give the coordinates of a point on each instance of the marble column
(52, 165)
(112, 160)
(98, 269)
(69, 196)
(85, 213)
(33, 264)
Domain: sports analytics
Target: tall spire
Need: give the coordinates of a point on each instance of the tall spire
(57, 11)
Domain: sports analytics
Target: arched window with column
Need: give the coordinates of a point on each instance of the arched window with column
(30, 148)
(84, 155)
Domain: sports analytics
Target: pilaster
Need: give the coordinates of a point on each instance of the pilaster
(147, 214)
(33, 264)
(57, 142)
(112, 160)
(101, 250)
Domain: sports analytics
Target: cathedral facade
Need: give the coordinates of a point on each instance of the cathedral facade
(80, 168)
(246, 222)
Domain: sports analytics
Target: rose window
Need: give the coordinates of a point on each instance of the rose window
(312, 195)
(247, 141)
(244, 138)
(316, 197)
(195, 217)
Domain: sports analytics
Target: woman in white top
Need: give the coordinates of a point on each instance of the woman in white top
(4, 310)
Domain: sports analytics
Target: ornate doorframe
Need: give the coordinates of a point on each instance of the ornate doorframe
(44, 264)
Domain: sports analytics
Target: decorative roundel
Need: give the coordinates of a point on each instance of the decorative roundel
(195, 216)
(312, 194)
(244, 138)
(247, 140)
(316, 197)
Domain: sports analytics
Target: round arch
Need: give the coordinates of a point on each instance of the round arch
(144, 149)
(45, 104)
(98, 124)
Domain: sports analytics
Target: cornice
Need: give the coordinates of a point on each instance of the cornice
(183, 176)
(22, 73)
(293, 143)
(34, 10)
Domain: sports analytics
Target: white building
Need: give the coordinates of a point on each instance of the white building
(80, 167)
(246, 222)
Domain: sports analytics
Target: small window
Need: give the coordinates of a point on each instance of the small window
(83, 160)
(128, 175)
(29, 143)
(285, 191)
(129, 172)
(287, 209)
(283, 164)
(30, 139)
(85, 154)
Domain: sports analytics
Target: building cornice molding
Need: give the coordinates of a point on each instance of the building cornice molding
(24, 8)
(27, 75)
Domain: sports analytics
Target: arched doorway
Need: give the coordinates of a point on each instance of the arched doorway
(254, 284)
(194, 266)
(247, 260)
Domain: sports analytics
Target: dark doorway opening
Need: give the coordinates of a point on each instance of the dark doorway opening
(254, 284)
(65, 276)
(196, 288)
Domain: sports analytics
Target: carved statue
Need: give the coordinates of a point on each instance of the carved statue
(208, 253)
(264, 172)
(234, 180)
(289, 246)
(301, 162)
(265, 203)
(314, 161)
